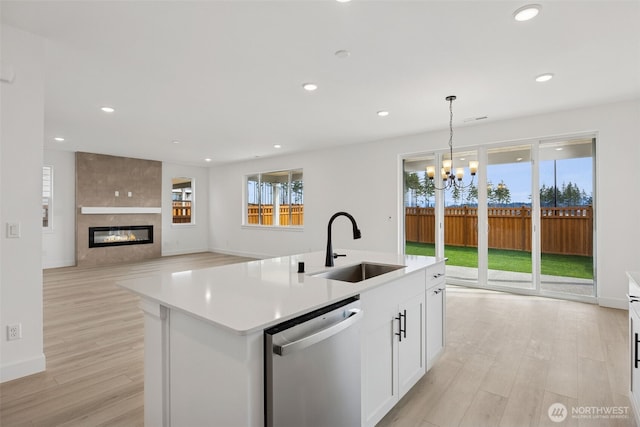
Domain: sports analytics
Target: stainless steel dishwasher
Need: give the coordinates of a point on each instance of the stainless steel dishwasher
(312, 368)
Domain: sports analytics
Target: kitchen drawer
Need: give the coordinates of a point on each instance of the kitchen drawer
(435, 274)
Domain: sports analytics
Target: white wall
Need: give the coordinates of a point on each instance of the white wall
(185, 238)
(373, 169)
(22, 124)
(58, 244)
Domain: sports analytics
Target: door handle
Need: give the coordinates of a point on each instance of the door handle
(402, 331)
(355, 316)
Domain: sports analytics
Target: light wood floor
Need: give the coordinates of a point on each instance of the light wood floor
(508, 357)
(93, 343)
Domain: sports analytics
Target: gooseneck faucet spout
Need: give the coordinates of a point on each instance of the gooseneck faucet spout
(356, 235)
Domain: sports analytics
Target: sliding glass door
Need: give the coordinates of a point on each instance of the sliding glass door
(509, 206)
(566, 217)
(461, 224)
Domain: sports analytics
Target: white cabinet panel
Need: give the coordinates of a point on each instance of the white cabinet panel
(436, 300)
(411, 343)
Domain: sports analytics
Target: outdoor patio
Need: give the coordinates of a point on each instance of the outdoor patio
(567, 285)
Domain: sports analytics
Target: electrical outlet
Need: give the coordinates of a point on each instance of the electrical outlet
(14, 332)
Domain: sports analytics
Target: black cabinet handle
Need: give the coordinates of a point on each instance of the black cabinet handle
(404, 331)
(401, 331)
(435, 276)
(437, 291)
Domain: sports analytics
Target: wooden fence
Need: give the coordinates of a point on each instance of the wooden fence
(566, 230)
(255, 212)
(181, 212)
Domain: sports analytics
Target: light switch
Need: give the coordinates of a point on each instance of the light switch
(117, 194)
(129, 194)
(13, 230)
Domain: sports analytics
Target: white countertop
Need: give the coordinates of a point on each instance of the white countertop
(252, 296)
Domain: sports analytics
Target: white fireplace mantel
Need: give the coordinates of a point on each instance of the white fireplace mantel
(111, 210)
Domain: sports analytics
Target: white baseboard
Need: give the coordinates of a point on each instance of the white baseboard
(23, 368)
(58, 263)
(621, 303)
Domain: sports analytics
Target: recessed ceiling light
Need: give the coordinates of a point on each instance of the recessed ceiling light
(59, 138)
(108, 109)
(544, 77)
(342, 53)
(343, 1)
(559, 149)
(310, 87)
(277, 146)
(382, 113)
(527, 12)
(207, 159)
(175, 141)
(519, 159)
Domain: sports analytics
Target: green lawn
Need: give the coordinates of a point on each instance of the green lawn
(518, 261)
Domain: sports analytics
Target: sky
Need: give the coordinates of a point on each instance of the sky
(517, 176)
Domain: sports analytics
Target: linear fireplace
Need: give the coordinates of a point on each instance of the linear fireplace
(120, 235)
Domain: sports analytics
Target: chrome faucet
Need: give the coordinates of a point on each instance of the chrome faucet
(356, 235)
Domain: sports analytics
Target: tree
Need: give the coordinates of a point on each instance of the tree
(568, 195)
(472, 195)
(428, 189)
(502, 193)
(412, 186)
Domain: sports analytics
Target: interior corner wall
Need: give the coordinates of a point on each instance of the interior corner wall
(180, 239)
(22, 134)
(364, 180)
(58, 243)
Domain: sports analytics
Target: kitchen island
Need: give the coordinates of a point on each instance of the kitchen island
(204, 332)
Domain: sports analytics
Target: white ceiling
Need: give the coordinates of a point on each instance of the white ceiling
(225, 77)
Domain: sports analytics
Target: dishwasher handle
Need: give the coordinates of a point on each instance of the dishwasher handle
(282, 350)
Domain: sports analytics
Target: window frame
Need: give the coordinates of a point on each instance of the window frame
(290, 196)
(49, 227)
(192, 203)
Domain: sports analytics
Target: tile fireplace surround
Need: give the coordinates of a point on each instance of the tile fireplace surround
(117, 192)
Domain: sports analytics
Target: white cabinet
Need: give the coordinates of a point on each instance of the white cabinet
(436, 312)
(393, 344)
(634, 343)
(411, 342)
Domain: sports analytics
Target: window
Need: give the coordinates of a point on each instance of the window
(275, 199)
(183, 199)
(47, 197)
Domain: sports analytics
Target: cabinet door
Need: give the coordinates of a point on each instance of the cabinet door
(634, 330)
(379, 364)
(411, 343)
(435, 322)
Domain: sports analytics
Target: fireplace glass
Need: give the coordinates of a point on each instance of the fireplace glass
(120, 235)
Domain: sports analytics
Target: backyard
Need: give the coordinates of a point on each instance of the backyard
(510, 260)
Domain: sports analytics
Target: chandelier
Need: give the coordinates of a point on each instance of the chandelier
(451, 176)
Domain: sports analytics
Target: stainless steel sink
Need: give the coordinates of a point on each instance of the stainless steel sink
(359, 272)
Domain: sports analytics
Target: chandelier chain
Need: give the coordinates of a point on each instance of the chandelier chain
(450, 178)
